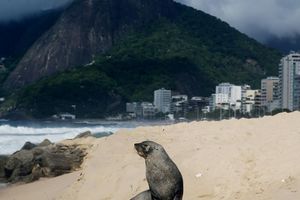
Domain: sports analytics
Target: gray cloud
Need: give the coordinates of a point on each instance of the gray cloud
(260, 19)
(16, 9)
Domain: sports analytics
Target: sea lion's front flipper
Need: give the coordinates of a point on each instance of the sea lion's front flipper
(146, 195)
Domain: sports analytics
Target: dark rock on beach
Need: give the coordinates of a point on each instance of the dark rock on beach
(28, 146)
(19, 166)
(103, 134)
(3, 160)
(84, 135)
(44, 160)
(45, 143)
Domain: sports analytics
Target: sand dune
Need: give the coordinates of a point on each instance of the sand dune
(256, 159)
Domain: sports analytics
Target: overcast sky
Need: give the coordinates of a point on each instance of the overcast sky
(257, 18)
(15, 9)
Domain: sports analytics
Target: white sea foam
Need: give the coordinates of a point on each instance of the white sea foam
(12, 138)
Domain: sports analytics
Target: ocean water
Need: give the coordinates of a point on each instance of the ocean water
(14, 134)
(2, 185)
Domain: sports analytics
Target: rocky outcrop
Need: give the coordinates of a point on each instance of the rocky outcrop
(45, 143)
(3, 160)
(84, 135)
(86, 29)
(43, 160)
(28, 146)
(19, 166)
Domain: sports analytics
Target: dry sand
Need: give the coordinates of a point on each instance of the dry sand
(257, 159)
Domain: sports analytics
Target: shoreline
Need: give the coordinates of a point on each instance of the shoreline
(233, 159)
(15, 133)
(3, 185)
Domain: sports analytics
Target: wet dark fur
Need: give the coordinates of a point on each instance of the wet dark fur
(164, 179)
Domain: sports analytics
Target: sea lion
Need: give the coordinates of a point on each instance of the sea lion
(163, 177)
(146, 195)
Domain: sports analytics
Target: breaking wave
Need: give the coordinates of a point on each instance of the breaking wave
(13, 137)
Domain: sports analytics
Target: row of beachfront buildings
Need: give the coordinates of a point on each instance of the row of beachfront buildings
(281, 92)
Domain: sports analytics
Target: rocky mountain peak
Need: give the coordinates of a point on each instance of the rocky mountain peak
(86, 29)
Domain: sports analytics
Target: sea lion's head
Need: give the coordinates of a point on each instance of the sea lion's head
(148, 148)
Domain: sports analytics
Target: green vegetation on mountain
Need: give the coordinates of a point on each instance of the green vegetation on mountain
(189, 53)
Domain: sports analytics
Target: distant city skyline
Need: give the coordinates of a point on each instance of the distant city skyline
(274, 94)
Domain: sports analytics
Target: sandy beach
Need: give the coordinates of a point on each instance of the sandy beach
(243, 159)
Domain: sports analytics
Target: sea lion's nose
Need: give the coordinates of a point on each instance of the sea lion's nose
(136, 145)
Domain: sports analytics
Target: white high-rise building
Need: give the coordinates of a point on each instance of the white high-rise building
(221, 98)
(162, 100)
(289, 75)
(229, 94)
